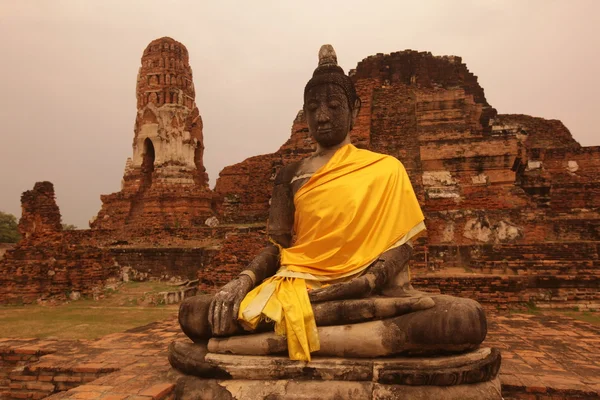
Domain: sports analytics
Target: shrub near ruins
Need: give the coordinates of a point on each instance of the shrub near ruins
(9, 232)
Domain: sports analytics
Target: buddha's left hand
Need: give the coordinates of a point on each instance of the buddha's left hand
(224, 308)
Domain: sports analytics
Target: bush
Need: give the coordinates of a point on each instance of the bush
(9, 231)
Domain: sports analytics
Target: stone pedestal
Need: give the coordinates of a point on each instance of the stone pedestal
(471, 375)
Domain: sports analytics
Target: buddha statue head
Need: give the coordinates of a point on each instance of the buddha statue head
(330, 101)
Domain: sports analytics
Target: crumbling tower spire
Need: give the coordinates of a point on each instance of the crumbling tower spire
(165, 182)
(168, 127)
(40, 214)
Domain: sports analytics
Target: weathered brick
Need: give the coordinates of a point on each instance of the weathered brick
(67, 378)
(44, 386)
(158, 391)
(16, 377)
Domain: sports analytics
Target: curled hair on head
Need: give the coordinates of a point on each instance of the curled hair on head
(329, 72)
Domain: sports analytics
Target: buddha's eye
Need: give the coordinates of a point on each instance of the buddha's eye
(334, 104)
(312, 106)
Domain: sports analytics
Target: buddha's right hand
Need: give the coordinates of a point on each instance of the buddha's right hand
(224, 308)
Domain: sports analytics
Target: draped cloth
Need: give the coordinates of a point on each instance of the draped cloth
(354, 208)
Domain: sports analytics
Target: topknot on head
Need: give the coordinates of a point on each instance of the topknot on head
(327, 56)
(327, 61)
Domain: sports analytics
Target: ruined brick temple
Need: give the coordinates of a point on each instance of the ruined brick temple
(165, 182)
(512, 202)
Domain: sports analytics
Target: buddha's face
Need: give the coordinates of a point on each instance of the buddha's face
(328, 114)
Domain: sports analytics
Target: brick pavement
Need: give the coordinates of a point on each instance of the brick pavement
(128, 365)
(548, 356)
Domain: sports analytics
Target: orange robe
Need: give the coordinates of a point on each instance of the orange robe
(353, 209)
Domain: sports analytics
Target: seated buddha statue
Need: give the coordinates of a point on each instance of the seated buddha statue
(334, 280)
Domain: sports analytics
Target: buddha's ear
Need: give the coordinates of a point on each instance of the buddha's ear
(355, 111)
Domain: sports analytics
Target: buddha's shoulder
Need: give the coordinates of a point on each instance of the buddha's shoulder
(288, 172)
(380, 157)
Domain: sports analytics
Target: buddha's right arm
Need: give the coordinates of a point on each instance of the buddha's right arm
(281, 223)
(264, 265)
(379, 275)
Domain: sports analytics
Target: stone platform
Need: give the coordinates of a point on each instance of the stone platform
(190, 388)
(471, 375)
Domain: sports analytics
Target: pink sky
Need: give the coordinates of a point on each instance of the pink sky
(69, 72)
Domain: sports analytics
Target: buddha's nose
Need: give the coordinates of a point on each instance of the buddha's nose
(322, 115)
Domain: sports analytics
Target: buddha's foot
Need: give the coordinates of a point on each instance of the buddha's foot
(189, 358)
(471, 375)
(406, 290)
(344, 312)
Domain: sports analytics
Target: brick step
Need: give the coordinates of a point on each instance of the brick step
(505, 289)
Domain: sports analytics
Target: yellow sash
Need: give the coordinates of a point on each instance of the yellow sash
(353, 209)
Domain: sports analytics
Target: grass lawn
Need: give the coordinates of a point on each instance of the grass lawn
(592, 317)
(87, 319)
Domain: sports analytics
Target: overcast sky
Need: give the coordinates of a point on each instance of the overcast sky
(69, 68)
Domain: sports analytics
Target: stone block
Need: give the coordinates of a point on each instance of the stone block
(189, 388)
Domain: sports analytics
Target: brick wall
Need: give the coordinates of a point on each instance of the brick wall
(164, 262)
(48, 266)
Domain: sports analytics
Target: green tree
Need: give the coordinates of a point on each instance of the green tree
(9, 231)
(68, 227)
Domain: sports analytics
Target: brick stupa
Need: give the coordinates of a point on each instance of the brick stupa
(165, 183)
